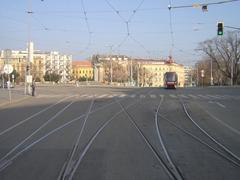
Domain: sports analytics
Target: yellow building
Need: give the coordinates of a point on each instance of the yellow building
(82, 70)
(151, 72)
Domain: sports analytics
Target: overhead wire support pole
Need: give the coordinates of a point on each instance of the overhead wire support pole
(28, 70)
(171, 27)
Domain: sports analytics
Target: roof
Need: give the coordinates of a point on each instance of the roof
(82, 64)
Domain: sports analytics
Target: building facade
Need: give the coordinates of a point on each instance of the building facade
(151, 72)
(82, 70)
(141, 72)
(188, 76)
(40, 64)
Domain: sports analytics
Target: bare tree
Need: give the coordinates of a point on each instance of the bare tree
(225, 52)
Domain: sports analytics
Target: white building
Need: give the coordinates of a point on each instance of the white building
(188, 76)
(53, 61)
(59, 64)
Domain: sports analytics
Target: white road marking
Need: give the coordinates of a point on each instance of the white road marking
(84, 95)
(221, 105)
(183, 96)
(173, 96)
(193, 96)
(202, 96)
(122, 95)
(142, 96)
(161, 95)
(133, 95)
(223, 123)
(101, 96)
(153, 96)
(111, 96)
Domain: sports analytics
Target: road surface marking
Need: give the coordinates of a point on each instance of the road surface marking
(193, 96)
(153, 96)
(204, 97)
(223, 123)
(133, 95)
(84, 95)
(183, 96)
(122, 95)
(142, 96)
(101, 96)
(173, 96)
(221, 105)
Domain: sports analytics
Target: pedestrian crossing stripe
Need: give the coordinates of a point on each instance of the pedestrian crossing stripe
(142, 96)
(153, 96)
(122, 95)
(173, 96)
(192, 96)
(202, 96)
(104, 95)
(133, 95)
(183, 96)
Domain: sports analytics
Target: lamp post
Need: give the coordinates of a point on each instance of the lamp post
(211, 81)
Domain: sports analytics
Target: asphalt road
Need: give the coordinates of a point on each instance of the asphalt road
(122, 133)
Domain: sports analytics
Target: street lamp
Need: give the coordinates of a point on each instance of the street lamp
(211, 81)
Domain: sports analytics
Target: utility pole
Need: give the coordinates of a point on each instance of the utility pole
(211, 81)
(197, 76)
(111, 70)
(27, 88)
(138, 74)
(131, 73)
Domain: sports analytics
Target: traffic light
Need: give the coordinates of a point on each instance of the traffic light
(220, 28)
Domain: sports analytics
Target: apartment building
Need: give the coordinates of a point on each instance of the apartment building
(41, 63)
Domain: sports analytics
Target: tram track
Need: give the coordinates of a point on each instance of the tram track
(21, 122)
(200, 135)
(4, 163)
(69, 167)
(214, 140)
(10, 155)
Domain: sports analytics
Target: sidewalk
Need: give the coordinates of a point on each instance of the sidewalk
(16, 96)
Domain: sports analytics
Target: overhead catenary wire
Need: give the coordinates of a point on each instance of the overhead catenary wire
(87, 25)
(203, 4)
(127, 22)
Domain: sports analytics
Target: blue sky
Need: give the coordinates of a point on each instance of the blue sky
(61, 25)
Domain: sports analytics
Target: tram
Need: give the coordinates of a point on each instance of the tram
(170, 80)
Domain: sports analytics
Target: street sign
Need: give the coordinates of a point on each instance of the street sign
(29, 79)
(8, 68)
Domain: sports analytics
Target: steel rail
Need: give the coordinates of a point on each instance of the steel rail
(9, 161)
(208, 135)
(88, 145)
(32, 116)
(67, 168)
(6, 163)
(199, 140)
(154, 151)
(174, 168)
(3, 160)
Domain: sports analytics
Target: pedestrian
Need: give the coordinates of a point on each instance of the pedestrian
(33, 88)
